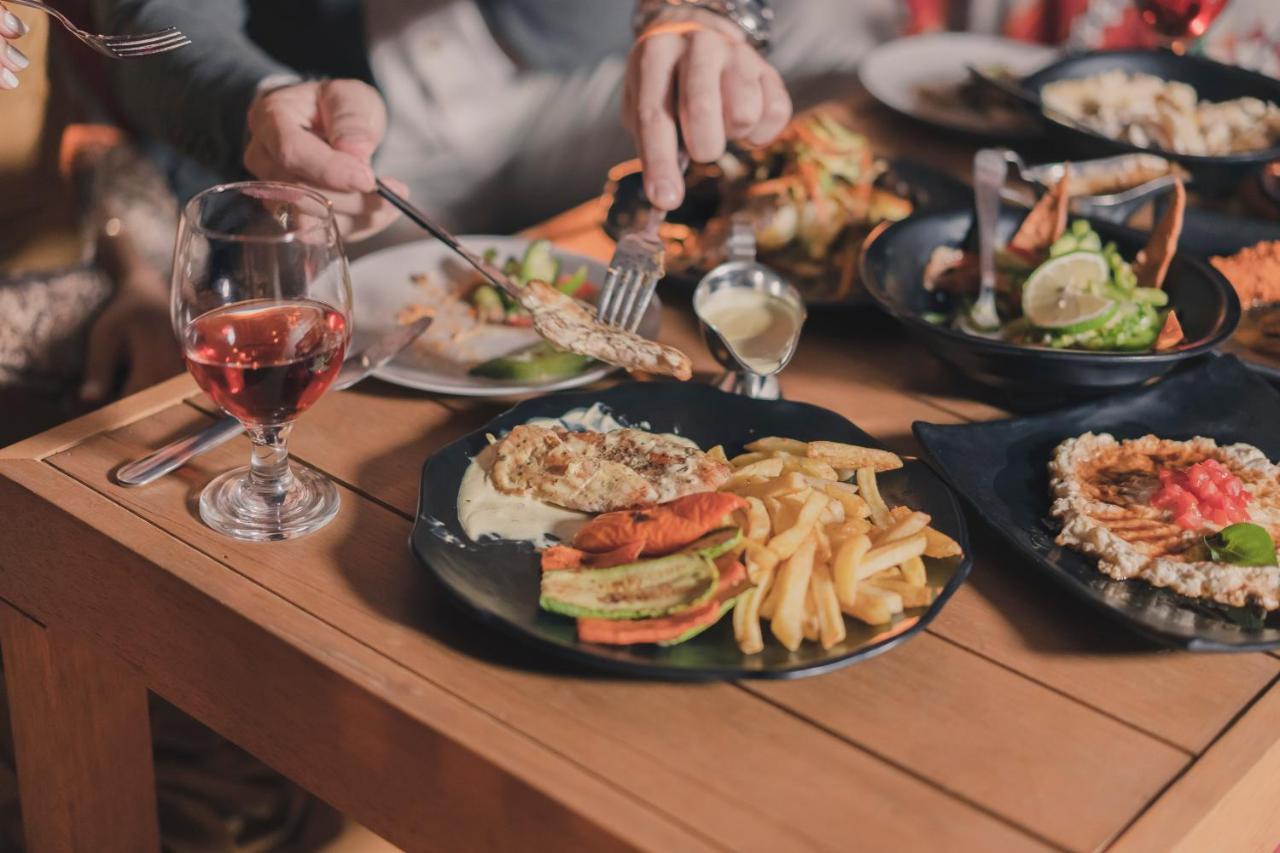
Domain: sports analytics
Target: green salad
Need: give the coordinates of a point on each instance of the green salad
(1084, 296)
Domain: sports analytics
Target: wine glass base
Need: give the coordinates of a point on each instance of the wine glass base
(230, 505)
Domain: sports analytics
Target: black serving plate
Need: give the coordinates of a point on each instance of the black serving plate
(497, 580)
(1001, 468)
(1213, 81)
(892, 272)
(926, 188)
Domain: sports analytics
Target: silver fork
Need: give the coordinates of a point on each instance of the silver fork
(634, 270)
(116, 47)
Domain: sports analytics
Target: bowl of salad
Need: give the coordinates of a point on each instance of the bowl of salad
(1086, 306)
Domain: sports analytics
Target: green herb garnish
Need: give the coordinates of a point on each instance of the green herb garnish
(1242, 545)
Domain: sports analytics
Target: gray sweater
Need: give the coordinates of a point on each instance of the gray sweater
(196, 98)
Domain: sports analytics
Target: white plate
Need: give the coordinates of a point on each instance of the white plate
(382, 286)
(895, 72)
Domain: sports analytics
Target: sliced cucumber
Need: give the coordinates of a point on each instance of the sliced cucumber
(539, 362)
(539, 263)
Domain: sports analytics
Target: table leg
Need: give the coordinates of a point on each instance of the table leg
(82, 740)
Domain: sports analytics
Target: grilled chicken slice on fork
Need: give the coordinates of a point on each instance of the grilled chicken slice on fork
(561, 319)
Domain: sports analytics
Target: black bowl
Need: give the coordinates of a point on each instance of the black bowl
(926, 188)
(497, 580)
(1213, 81)
(892, 272)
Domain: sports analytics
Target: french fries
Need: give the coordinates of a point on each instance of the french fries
(850, 456)
(818, 547)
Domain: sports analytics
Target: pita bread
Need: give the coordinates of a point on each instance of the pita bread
(1170, 334)
(1045, 223)
(1152, 263)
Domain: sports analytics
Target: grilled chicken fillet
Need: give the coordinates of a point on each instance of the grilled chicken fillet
(564, 322)
(601, 471)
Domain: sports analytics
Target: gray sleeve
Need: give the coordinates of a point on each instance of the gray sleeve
(194, 98)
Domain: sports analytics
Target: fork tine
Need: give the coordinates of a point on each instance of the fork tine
(626, 286)
(641, 306)
(607, 291)
(152, 49)
(629, 304)
(118, 38)
(147, 43)
(616, 295)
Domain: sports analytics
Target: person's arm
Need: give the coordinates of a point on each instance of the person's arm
(196, 98)
(216, 101)
(697, 70)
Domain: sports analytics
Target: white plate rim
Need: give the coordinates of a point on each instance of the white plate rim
(418, 380)
(873, 67)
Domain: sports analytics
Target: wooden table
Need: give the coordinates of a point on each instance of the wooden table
(1019, 720)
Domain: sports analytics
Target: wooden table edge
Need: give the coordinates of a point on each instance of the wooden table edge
(580, 803)
(1227, 799)
(111, 416)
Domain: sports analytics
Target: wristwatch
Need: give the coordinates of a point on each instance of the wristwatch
(753, 17)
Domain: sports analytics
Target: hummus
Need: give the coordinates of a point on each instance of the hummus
(1102, 491)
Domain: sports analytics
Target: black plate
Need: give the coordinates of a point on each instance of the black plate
(498, 580)
(1212, 81)
(927, 189)
(1001, 468)
(892, 272)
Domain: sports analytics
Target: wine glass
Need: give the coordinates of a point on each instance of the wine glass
(261, 305)
(1179, 22)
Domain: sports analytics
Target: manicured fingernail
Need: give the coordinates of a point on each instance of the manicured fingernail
(13, 24)
(17, 57)
(8, 80)
(664, 194)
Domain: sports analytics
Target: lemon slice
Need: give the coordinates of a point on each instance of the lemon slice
(1064, 293)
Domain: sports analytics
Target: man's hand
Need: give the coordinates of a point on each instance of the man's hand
(132, 330)
(726, 92)
(12, 60)
(323, 134)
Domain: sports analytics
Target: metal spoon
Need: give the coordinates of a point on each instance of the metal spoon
(989, 169)
(173, 455)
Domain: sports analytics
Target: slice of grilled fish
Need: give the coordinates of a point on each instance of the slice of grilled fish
(571, 327)
(601, 471)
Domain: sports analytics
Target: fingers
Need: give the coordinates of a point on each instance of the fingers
(701, 112)
(352, 117)
(12, 60)
(740, 91)
(776, 107)
(655, 62)
(102, 357)
(11, 25)
(283, 146)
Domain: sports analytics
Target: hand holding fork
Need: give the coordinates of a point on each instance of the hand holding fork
(13, 60)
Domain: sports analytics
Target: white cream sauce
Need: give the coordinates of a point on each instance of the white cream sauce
(759, 327)
(485, 511)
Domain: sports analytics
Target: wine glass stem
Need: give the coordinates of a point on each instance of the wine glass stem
(269, 475)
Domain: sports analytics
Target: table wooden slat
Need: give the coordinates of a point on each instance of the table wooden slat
(302, 696)
(1007, 613)
(651, 739)
(977, 730)
(1227, 800)
(362, 552)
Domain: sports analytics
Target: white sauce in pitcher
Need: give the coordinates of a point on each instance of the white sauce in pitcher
(758, 326)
